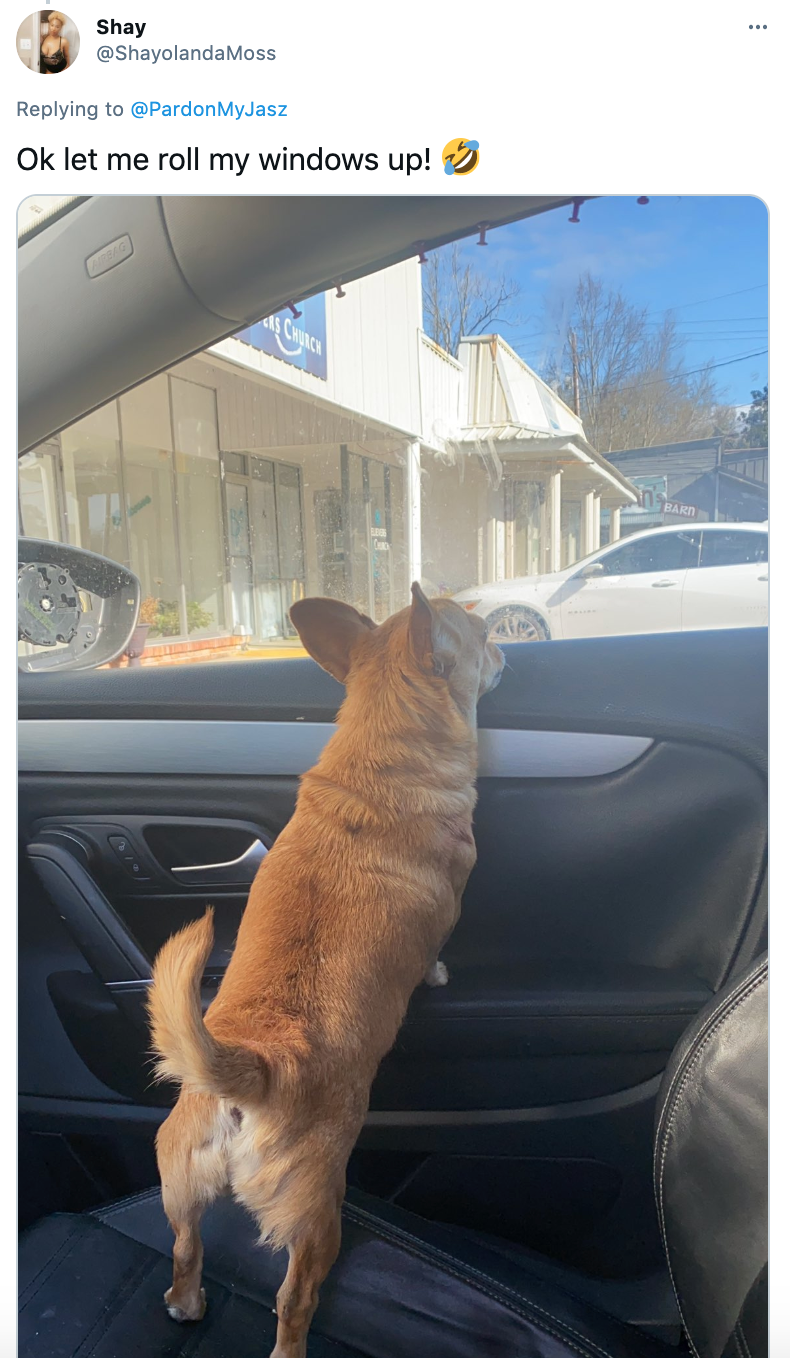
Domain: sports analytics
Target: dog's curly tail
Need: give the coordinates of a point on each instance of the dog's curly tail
(186, 1050)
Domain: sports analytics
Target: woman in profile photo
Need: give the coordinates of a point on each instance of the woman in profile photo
(54, 47)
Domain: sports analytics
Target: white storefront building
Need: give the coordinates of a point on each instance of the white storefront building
(338, 451)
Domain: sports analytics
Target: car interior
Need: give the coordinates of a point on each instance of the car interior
(566, 1150)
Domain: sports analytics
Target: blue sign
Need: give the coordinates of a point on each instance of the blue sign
(300, 341)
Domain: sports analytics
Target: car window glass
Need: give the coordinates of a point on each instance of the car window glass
(733, 549)
(379, 433)
(664, 552)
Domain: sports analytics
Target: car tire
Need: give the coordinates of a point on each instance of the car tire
(515, 622)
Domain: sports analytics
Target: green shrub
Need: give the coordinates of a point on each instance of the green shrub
(168, 618)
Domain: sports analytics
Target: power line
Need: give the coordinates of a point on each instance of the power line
(682, 334)
(692, 372)
(734, 337)
(710, 320)
(680, 306)
(713, 336)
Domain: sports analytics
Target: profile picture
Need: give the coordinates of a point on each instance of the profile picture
(48, 42)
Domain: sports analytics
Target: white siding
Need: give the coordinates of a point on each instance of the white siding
(440, 385)
(372, 350)
(256, 412)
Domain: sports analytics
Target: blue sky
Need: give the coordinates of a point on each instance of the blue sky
(705, 259)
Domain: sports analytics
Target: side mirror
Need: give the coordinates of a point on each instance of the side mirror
(590, 571)
(79, 608)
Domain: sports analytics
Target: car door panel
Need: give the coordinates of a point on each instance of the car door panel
(726, 596)
(614, 604)
(730, 586)
(604, 909)
(639, 588)
(631, 906)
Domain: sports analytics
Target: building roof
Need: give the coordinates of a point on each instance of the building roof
(739, 497)
(507, 409)
(691, 458)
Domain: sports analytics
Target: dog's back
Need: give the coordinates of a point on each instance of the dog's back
(346, 916)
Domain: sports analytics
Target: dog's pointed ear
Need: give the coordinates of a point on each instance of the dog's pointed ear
(330, 631)
(432, 649)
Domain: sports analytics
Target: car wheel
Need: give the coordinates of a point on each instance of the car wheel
(517, 623)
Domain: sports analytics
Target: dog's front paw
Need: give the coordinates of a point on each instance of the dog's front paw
(437, 975)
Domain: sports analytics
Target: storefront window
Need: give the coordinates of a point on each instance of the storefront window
(380, 539)
(525, 512)
(148, 484)
(266, 567)
(239, 550)
(38, 495)
(289, 532)
(95, 516)
(198, 503)
(367, 532)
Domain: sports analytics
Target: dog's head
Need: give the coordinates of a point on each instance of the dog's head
(436, 638)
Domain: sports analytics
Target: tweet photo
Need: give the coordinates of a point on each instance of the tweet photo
(391, 948)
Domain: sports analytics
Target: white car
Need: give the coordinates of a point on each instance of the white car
(659, 580)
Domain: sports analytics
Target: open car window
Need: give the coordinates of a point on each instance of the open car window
(375, 434)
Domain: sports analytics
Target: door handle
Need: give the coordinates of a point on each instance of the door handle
(237, 872)
(664, 584)
(762, 577)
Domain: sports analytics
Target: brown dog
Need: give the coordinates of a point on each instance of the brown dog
(346, 916)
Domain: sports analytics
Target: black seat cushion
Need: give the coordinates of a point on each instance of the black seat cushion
(92, 1286)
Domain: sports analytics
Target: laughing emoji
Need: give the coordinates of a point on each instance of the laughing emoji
(461, 156)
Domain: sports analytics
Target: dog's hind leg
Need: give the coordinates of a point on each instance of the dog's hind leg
(310, 1258)
(192, 1153)
(296, 1199)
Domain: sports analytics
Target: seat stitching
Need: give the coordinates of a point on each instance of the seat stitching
(420, 1247)
(129, 1286)
(730, 1006)
(27, 1295)
(740, 1337)
(747, 980)
(126, 1204)
(681, 1075)
(760, 972)
(417, 1248)
(663, 1141)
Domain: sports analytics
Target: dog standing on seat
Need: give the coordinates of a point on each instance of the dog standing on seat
(348, 913)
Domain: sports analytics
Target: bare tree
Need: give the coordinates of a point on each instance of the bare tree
(459, 299)
(633, 386)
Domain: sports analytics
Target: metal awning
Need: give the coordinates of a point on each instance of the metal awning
(510, 416)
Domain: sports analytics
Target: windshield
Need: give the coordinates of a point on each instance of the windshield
(38, 214)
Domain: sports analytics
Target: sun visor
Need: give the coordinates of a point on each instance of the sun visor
(246, 257)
